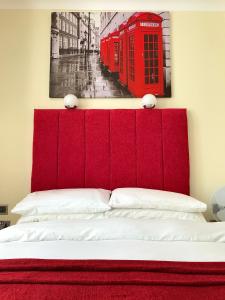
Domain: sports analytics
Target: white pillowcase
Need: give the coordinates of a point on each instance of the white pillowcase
(147, 198)
(118, 213)
(64, 201)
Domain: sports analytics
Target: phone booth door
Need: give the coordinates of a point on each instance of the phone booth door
(101, 51)
(123, 54)
(153, 62)
(106, 52)
(113, 62)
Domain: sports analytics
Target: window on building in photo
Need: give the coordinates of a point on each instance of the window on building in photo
(71, 42)
(60, 42)
(65, 42)
(63, 25)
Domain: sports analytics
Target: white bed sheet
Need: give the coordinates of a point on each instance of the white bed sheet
(118, 250)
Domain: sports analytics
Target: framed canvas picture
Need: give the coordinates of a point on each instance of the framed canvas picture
(110, 54)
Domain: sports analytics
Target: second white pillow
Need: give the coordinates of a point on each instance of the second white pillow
(156, 199)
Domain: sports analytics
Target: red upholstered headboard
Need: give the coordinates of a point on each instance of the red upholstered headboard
(110, 149)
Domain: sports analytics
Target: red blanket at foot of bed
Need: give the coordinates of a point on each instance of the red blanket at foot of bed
(23, 279)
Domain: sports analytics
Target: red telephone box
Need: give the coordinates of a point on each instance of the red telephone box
(103, 51)
(102, 41)
(106, 51)
(113, 52)
(145, 54)
(123, 53)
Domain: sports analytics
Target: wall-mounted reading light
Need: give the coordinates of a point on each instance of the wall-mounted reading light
(148, 101)
(71, 101)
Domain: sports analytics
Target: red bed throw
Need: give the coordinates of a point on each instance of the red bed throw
(23, 279)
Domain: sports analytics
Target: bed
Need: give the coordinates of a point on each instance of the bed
(116, 258)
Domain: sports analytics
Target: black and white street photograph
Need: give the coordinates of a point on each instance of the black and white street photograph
(110, 54)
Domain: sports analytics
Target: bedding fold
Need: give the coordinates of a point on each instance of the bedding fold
(106, 272)
(115, 229)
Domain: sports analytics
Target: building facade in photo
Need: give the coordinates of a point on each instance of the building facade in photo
(73, 33)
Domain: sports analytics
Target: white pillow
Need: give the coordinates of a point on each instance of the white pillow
(147, 198)
(64, 201)
(118, 213)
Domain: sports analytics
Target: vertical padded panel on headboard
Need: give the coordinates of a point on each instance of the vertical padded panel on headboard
(175, 151)
(97, 147)
(149, 150)
(45, 150)
(123, 148)
(71, 150)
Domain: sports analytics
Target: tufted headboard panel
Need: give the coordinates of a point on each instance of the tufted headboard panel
(110, 149)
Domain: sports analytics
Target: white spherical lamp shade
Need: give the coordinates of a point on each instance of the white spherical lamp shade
(148, 101)
(71, 101)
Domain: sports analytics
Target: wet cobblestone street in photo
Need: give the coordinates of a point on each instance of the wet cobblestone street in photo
(84, 77)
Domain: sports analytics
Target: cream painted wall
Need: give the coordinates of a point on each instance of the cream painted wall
(198, 82)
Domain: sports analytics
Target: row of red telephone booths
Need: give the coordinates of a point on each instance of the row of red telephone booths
(135, 52)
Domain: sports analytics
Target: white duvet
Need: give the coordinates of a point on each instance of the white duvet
(115, 229)
(115, 238)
